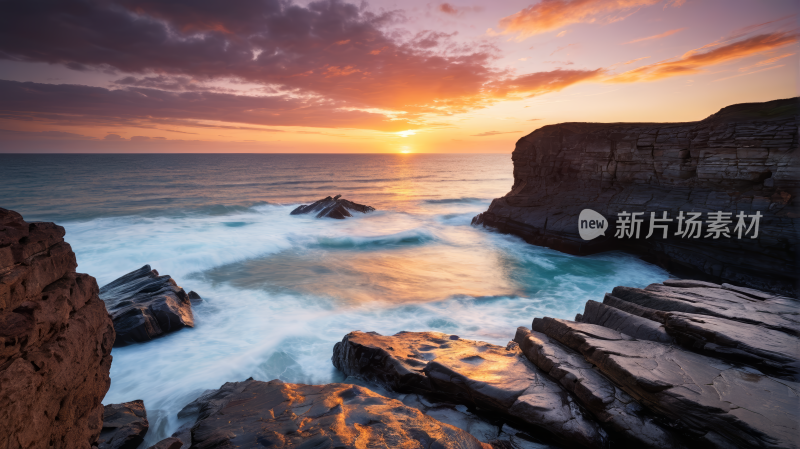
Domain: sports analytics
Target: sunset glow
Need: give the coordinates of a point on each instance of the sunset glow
(471, 76)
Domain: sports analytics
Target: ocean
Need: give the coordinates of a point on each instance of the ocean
(278, 290)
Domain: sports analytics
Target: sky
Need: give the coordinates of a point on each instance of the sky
(411, 76)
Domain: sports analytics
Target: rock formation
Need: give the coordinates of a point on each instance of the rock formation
(145, 305)
(55, 341)
(743, 158)
(281, 415)
(124, 426)
(678, 364)
(474, 373)
(332, 208)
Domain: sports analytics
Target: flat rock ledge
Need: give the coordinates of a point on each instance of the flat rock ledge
(332, 207)
(280, 415)
(486, 377)
(679, 364)
(144, 306)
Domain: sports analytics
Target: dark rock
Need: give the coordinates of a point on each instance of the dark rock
(619, 320)
(689, 283)
(715, 403)
(473, 373)
(611, 406)
(634, 309)
(332, 208)
(144, 305)
(194, 296)
(777, 313)
(124, 426)
(704, 166)
(55, 340)
(280, 415)
(168, 443)
(768, 350)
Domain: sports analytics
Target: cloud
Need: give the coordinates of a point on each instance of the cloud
(113, 137)
(563, 47)
(493, 133)
(549, 15)
(447, 8)
(8, 134)
(327, 49)
(657, 36)
(695, 61)
(73, 104)
(533, 119)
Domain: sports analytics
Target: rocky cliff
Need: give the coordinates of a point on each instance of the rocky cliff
(743, 158)
(55, 341)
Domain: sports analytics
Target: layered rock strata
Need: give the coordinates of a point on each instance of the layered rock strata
(722, 381)
(281, 415)
(55, 341)
(335, 207)
(679, 364)
(743, 158)
(474, 373)
(145, 306)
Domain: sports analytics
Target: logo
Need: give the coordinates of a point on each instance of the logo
(591, 224)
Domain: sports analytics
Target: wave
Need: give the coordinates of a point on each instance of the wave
(406, 238)
(468, 200)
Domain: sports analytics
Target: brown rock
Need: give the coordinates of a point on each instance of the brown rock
(280, 415)
(55, 340)
(474, 373)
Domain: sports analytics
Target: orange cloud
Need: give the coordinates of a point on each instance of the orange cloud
(657, 36)
(695, 61)
(548, 15)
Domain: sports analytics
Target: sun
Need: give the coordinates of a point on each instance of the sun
(405, 150)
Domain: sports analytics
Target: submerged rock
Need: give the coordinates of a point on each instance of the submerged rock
(474, 373)
(55, 341)
(280, 415)
(144, 305)
(124, 426)
(332, 208)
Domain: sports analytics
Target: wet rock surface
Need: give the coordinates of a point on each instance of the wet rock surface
(477, 374)
(281, 415)
(610, 405)
(144, 306)
(124, 426)
(679, 364)
(55, 340)
(332, 207)
(741, 159)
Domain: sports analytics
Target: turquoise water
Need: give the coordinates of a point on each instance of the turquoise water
(280, 290)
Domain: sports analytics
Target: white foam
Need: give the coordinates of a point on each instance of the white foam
(267, 333)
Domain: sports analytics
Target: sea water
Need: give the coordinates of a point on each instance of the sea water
(278, 290)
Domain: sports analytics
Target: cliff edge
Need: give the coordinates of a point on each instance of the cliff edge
(55, 341)
(741, 159)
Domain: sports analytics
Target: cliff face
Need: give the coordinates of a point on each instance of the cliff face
(55, 341)
(744, 158)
